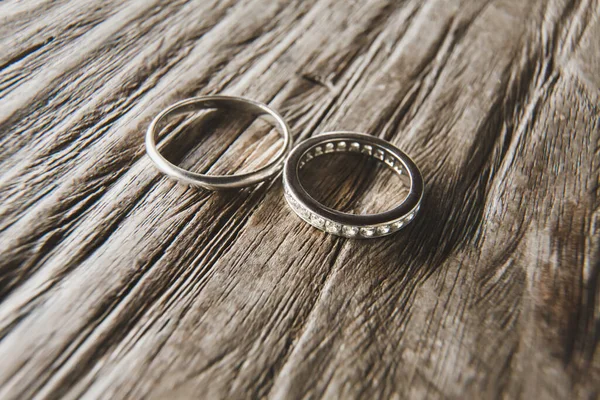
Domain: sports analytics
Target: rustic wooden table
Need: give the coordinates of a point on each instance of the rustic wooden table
(116, 282)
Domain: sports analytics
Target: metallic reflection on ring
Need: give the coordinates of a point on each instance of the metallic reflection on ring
(217, 182)
(344, 224)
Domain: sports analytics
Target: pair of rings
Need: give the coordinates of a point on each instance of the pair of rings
(293, 160)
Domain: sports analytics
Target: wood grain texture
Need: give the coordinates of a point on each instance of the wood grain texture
(116, 282)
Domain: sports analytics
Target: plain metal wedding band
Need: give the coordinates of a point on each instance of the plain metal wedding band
(345, 224)
(218, 182)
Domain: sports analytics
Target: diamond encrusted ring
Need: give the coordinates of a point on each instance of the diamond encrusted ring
(218, 182)
(344, 224)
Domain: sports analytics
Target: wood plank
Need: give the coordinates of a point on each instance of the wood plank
(119, 283)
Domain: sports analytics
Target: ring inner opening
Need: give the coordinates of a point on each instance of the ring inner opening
(219, 141)
(354, 177)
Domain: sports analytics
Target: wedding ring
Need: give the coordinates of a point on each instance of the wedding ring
(218, 182)
(344, 224)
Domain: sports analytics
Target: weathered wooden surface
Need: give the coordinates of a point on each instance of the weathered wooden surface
(118, 283)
